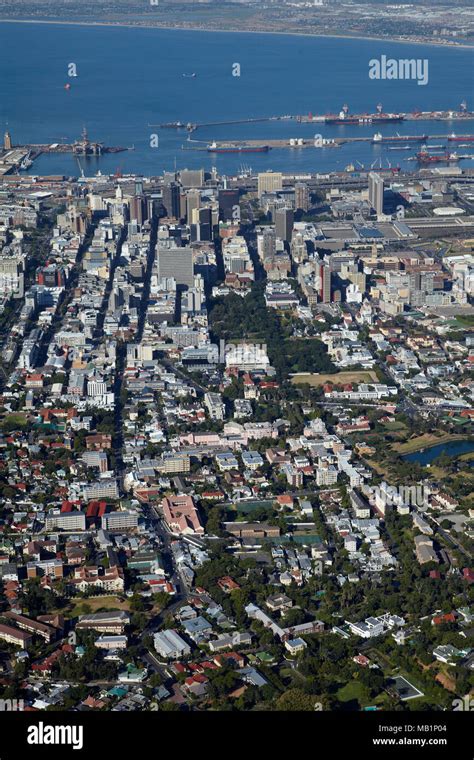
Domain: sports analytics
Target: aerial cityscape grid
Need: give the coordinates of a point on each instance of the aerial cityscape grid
(237, 361)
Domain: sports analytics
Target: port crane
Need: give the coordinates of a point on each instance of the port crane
(80, 167)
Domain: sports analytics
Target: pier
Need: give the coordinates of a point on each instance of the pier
(368, 119)
(297, 143)
(21, 157)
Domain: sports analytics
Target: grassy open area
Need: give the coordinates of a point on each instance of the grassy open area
(425, 441)
(354, 690)
(466, 457)
(465, 320)
(395, 426)
(12, 421)
(337, 378)
(96, 603)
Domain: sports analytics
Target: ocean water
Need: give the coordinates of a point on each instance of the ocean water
(131, 78)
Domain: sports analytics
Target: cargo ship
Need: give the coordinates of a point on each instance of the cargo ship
(460, 138)
(429, 158)
(232, 148)
(344, 117)
(379, 138)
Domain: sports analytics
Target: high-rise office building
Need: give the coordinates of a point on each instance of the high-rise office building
(302, 199)
(325, 283)
(171, 200)
(11, 276)
(177, 263)
(284, 221)
(266, 243)
(201, 226)
(192, 177)
(228, 200)
(193, 201)
(138, 209)
(269, 182)
(376, 187)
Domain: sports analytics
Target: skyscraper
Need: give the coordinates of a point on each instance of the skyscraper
(269, 182)
(170, 198)
(266, 243)
(376, 187)
(191, 177)
(228, 199)
(325, 283)
(284, 220)
(177, 263)
(137, 209)
(302, 200)
(193, 201)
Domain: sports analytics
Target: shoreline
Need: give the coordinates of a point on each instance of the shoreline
(405, 449)
(163, 27)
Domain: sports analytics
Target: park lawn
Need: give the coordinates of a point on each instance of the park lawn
(395, 426)
(465, 320)
(337, 378)
(354, 690)
(97, 603)
(14, 419)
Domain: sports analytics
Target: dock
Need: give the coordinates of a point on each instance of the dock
(16, 158)
(295, 143)
(319, 119)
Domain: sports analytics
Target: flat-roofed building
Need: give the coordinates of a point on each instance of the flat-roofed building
(105, 622)
(68, 521)
(120, 520)
(15, 636)
(47, 632)
(111, 642)
(170, 645)
(269, 182)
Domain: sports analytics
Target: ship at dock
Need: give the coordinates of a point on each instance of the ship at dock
(423, 157)
(398, 139)
(235, 148)
(460, 138)
(87, 147)
(379, 117)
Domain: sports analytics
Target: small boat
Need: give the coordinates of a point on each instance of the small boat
(67, 86)
(190, 76)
